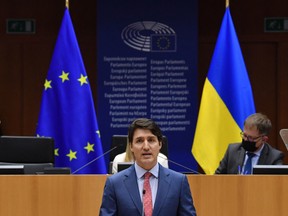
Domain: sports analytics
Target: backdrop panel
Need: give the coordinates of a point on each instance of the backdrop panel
(147, 67)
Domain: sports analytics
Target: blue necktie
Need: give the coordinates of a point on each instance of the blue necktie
(248, 165)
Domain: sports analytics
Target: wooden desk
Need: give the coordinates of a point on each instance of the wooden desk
(80, 195)
(228, 195)
(51, 195)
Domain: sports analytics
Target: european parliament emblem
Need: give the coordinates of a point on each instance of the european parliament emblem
(149, 36)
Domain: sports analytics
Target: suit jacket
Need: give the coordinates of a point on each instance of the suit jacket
(235, 155)
(121, 194)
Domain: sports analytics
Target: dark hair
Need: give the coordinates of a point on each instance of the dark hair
(144, 123)
(260, 121)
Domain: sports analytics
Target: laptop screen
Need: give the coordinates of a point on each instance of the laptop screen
(270, 169)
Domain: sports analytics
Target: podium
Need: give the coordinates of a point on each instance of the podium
(81, 195)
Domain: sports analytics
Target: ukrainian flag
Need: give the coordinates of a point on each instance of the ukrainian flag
(226, 102)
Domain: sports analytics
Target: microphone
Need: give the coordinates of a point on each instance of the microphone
(187, 168)
(95, 159)
(239, 170)
(284, 136)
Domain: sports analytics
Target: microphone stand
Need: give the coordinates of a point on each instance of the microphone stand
(193, 171)
(94, 160)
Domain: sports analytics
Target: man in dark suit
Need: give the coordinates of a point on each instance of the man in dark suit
(254, 149)
(126, 192)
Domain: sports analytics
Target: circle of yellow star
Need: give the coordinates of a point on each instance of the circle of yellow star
(64, 76)
(56, 152)
(47, 84)
(83, 80)
(98, 132)
(72, 155)
(89, 147)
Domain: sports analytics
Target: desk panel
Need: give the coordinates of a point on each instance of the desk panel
(81, 195)
(51, 195)
(229, 195)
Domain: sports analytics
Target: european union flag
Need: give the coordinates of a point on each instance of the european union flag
(67, 111)
(227, 100)
(163, 43)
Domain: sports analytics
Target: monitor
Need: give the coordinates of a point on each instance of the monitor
(120, 142)
(36, 168)
(11, 169)
(24, 168)
(26, 149)
(270, 170)
(57, 170)
(123, 165)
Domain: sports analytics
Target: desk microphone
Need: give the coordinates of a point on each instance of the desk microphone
(95, 159)
(187, 168)
(284, 136)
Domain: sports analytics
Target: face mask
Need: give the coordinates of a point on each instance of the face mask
(249, 146)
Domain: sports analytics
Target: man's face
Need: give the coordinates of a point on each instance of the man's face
(145, 147)
(252, 134)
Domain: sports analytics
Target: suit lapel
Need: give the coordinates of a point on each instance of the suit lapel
(241, 157)
(163, 188)
(130, 182)
(263, 155)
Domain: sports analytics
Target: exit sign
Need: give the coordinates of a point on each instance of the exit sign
(20, 26)
(276, 24)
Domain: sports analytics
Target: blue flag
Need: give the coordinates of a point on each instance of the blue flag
(67, 110)
(227, 100)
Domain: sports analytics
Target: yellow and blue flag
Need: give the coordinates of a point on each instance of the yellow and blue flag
(226, 102)
(67, 110)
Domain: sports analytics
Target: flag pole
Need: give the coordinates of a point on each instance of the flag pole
(67, 4)
(227, 3)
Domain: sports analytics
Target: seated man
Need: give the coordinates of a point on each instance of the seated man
(127, 156)
(254, 149)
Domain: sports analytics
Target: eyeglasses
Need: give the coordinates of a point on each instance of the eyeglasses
(249, 138)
